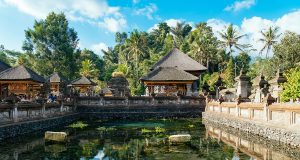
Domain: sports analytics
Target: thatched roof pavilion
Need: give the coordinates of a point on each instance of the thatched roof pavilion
(176, 72)
(20, 80)
(57, 83)
(83, 83)
(176, 58)
(168, 80)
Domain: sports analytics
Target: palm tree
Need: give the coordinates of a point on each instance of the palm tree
(135, 46)
(180, 31)
(269, 39)
(230, 38)
(88, 69)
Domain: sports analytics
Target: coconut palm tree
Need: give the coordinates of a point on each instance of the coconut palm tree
(88, 69)
(180, 31)
(230, 38)
(135, 46)
(269, 39)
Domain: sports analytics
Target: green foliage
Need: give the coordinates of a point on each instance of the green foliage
(292, 86)
(78, 124)
(242, 61)
(266, 66)
(54, 46)
(286, 52)
(88, 69)
(228, 74)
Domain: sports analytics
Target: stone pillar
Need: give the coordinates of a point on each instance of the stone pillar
(242, 85)
(15, 113)
(188, 90)
(44, 109)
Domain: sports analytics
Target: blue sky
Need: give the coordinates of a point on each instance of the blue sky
(96, 21)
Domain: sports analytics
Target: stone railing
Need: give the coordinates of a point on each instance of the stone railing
(276, 121)
(24, 111)
(279, 113)
(138, 101)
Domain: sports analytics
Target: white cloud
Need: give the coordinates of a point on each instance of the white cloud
(113, 24)
(87, 8)
(97, 48)
(91, 11)
(239, 5)
(147, 11)
(252, 27)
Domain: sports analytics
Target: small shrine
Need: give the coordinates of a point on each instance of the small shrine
(83, 85)
(57, 84)
(118, 85)
(21, 81)
(275, 85)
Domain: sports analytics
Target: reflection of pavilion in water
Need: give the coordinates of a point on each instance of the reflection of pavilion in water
(255, 150)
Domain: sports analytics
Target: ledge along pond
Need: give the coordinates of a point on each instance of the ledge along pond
(147, 139)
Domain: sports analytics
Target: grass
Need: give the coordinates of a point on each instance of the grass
(144, 130)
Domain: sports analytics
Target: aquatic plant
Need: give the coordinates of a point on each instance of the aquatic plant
(144, 130)
(78, 124)
(101, 129)
(191, 126)
(159, 130)
(111, 129)
(107, 129)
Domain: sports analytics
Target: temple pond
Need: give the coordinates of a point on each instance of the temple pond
(123, 139)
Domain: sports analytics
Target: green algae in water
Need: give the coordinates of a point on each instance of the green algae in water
(125, 140)
(78, 124)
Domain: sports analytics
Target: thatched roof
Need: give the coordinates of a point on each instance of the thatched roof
(20, 73)
(175, 58)
(56, 78)
(82, 81)
(3, 66)
(168, 74)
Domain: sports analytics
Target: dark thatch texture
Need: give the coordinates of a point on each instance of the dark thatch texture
(56, 78)
(175, 58)
(3, 66)
(169, 74)
(20, 73)
(83, 81)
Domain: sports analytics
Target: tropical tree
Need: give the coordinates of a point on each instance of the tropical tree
(88, 69)
(269, 39)
(54, 45)
(230, 39)
(180, 31)
(286, 52)
(292, 86)
(228, 74)
(203, 44)
(135, 46)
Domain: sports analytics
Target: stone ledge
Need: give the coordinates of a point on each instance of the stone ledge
(274, 133)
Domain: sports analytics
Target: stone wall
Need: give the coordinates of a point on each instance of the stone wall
(12, 130)
(276, 121)
(257, 147)
(140, 107)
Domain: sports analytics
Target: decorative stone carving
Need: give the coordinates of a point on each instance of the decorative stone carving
(119, 86)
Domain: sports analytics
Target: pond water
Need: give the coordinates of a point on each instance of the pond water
(122, 139)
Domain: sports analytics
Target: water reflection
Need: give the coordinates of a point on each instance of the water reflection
(139, 140)
(258, 148)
